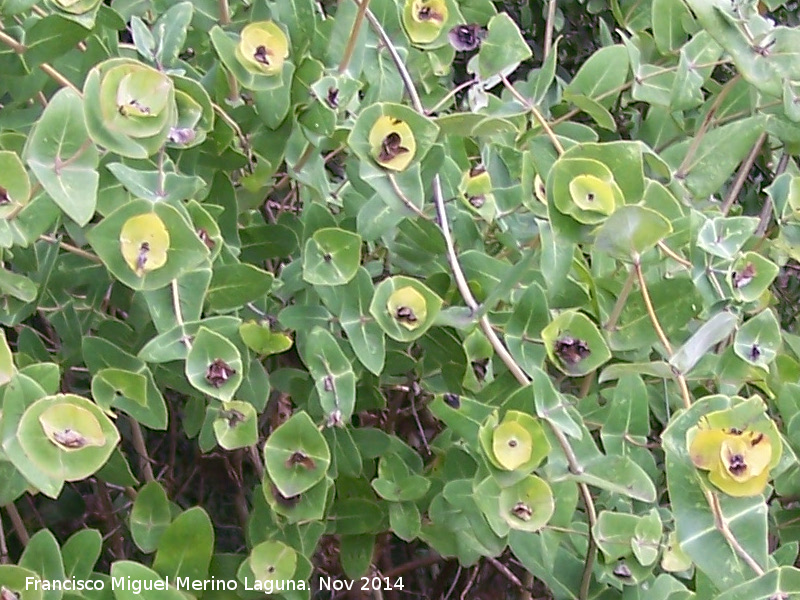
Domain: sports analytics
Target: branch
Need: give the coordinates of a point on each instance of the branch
(741, 176)
(72, 249)
(681, 378)
(141, 449)
(351, 41)
(722, 527)
(537, 115)
(20, 49)
(686, 165)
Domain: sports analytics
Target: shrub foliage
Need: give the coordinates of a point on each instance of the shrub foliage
(467, 298)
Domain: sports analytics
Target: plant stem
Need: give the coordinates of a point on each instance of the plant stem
(611, 324)
(680, 377)
(72, 249)
(766, 210)
(450, 94)
(674, 255)
(722, 527)
(49, 70)
(141, 449)
(17, 523)
(353, 39)
(409, 205)
(3, 545)
(741, 176)
(686, 165)
(176, 302)
(224, 12)
(548, 28)
(537, 115)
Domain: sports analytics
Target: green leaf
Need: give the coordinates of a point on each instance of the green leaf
(261, 340)
(621, 475)
(758, 340)
(236, 425)
(132, 571)
(725, 236)
(170, 32)
(630, 231)
(7, 368)
(186, 547)
(503, 49)
(150, 516)
(334, 377)
(713, 331)
(43, 556)
(717, 155)
(50, 38)
(100, 354)
(214, 365)
(331, 257)
(668, 24)
(80, 553)
(63, 158)
(153, 186)
(233, 286)
(602, 76)
(363, 333)
(296, 455)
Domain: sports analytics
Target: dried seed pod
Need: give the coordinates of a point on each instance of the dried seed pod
(69, 438)
(522, 511)
(181, 135)
(302, 459)
(262, 54)
(333, 97)
(571, 350)
(405, 314)
(219, 372)
(623, 571)
(205, 238)
(745, 276)
(391, 147)
(7, 594)
(466, 38)
(141, 260)
(452, 400)
(234, 417)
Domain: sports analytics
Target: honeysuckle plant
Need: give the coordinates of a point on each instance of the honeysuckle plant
(470, 299)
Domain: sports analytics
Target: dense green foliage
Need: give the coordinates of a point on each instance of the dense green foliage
(473, 299)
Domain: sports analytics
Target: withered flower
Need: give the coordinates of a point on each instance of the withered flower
(571, 350)
(300, 458)
(219, 372)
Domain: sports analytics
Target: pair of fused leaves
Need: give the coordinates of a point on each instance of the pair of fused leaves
(134, 110)
(54, 439)
(513, 448)
(574, 344)
(738, 456)
(427, 22)
(145, 246)
(404, 308)
(257, 57)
